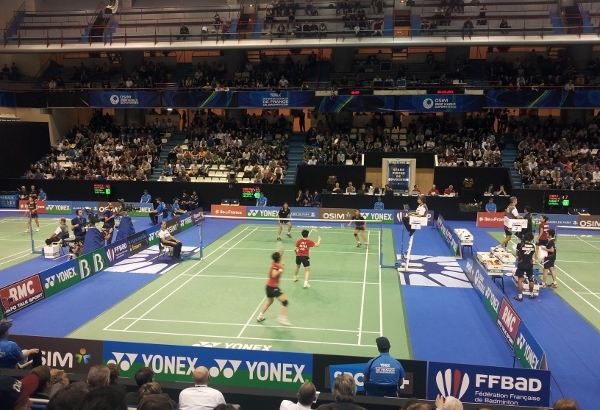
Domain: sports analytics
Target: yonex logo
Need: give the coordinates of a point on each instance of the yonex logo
(49, 282)
(253, 212)
(227, 371)
(452, 384)
(123, 360)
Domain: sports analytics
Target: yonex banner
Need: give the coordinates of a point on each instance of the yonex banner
(489, 385)
(528, 350)
(21, 294)
(274, 99)
(448, 236)
(125, 99)
(59, 207)
(173, 226)
(152, 233)
(488, 291)
(440, 103)
(8, 200)
(60, 277)
(185, 222)
(385, 216)
(227, 367)
(404, 213)
(117, 251)
(262, 212)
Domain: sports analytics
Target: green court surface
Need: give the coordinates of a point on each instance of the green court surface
(577, 271)
(15, 244)
(215, 301)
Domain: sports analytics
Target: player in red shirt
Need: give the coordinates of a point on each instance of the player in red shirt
(273, 290)
(543, 231)
(302, 250)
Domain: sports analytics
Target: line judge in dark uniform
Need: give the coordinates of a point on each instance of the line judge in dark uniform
(384, 370)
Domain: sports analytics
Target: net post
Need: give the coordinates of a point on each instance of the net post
(33, 250)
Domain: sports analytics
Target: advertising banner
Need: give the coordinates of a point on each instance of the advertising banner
(137, 242)
(92, 263)
(528, 350)
(488, 291)
(356, 370)
(117, 251)
(196, 99)
(198, 216)
(152, 233)
(262, 212)
(403, 213)
(173, 226)
(274, 99)
(588, 221)
(336, 213)
(508, 322)
(185, 222)
(448, 236)
(490, 220)
(70, 355)
(19, 295)
(226, 210)
(227, 367)
(528, 99)
(144, 209)
(440, 103)
(60, 277)
(41, 206)
(357, 103)
(8, 200)
(487, 385)
(304, 213)
(385, 216)
(125, 99)
(398, 175)
(59, 207)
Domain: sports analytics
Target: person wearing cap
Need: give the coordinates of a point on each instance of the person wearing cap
(176, 208)
(384, 369)
(160, 208)
(10, 353)
(490, 206)
(14, 394)
(146, 197)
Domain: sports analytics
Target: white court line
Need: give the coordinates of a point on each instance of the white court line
(312, 250)
(27, 253)
(185, 283)
(571, 289)
(362, 301)
(241, 324)
(380, 297)
(562, 260)
(246, 338)
(172, 280)
(262, 278)
(579, 283)
(588, 243)
(589, 293)
(252, 316)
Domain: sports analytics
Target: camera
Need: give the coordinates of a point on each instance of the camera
(124, 208)
(92, 218)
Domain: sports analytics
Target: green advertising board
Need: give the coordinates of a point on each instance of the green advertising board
(92, 263)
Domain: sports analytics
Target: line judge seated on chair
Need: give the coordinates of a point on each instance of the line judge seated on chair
(384, 375)
(166, 239)
(160, 208)
(61, 232)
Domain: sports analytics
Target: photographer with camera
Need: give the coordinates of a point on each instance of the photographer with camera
(61, 232)
(78, 225)
(107, 232)
(160, 209)
(109, 215)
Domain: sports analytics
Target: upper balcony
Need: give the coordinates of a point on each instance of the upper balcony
(334, 23)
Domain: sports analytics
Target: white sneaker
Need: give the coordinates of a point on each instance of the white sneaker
(306, 285)
(260, 318)
(37, 229)
(358, 245)
(289, 235)
(295, 278)
(26, 230)
(284, 321)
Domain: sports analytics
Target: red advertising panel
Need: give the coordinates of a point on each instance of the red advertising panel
(508, 322)
(21, 294)
(227, 210)
(490, 220)
(41, 206)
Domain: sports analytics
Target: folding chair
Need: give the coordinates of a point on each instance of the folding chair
(164, 250)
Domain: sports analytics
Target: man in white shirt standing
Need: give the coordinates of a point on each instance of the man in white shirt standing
(166, 239)
(307, 394)
(200, 397)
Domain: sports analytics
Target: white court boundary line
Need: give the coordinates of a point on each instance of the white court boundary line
(262, 278)
(241, 324)
(380, 293)
(172, 280)
(571, 289)
(184, 283)
(588, 243)
(247, 338)
(252, 316)
(362, 300)
(312, 251)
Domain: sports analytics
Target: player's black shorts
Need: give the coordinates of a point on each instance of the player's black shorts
(283, 221)
(543, 242)
(34, 215)
(507, 231)
(359, 227)
(273, 292)
(549, 262)
(524, 272)
(303, 260)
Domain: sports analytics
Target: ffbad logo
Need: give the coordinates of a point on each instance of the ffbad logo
(452, 383)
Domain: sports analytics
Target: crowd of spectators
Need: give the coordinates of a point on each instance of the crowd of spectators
(555, 155)
(472, 144)
(256, 147)
(10, 73)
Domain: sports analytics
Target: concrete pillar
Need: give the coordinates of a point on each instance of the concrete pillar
(581, 54)
(342, 59)
(234, 59)
(130, 59)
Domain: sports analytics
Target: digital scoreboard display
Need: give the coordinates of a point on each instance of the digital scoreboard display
(556, 200)
(102, 189)
(250, 193)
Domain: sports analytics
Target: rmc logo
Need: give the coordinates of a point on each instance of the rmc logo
(450, 384)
